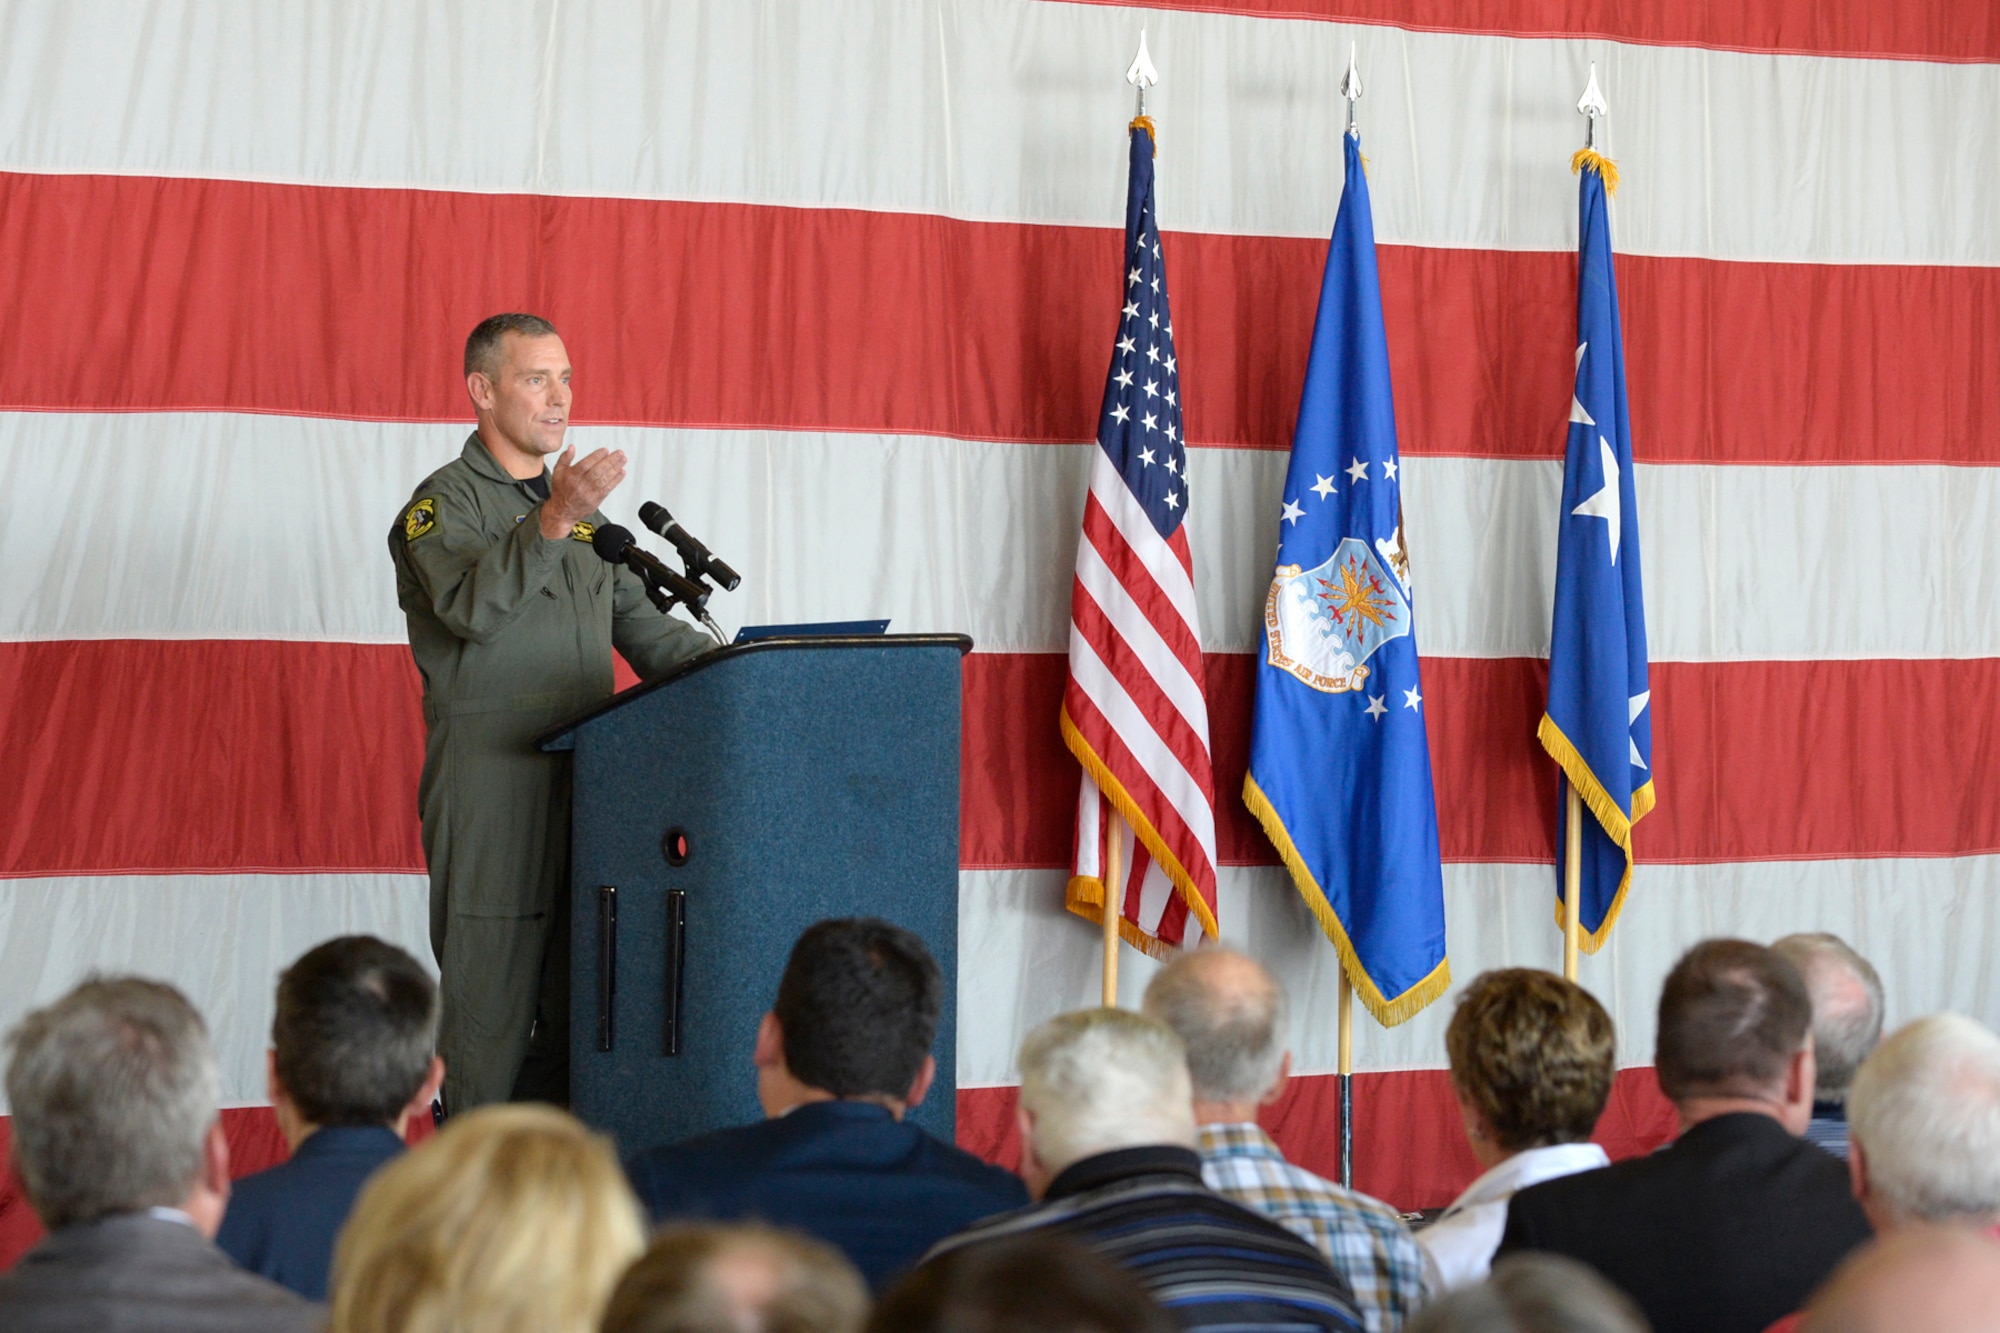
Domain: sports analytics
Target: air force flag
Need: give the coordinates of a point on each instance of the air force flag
(1340, 770)
(1599, 725)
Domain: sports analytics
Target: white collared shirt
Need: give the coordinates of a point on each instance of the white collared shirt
(159, 1214)
(1464, 1237)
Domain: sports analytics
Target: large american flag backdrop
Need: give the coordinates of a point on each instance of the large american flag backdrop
(840, 275)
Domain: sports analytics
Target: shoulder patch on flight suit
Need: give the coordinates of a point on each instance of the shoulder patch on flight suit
(421, 519)
(583, 532)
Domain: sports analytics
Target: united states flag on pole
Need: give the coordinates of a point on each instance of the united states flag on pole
(1134, 712)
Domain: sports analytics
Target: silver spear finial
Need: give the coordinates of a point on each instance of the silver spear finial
(1350, 88)
(1142, 75)
(1592, 105)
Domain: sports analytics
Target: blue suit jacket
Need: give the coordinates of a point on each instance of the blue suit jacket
(282, 1222)
(880, 1190)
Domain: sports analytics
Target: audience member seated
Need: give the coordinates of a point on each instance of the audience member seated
(514, 1219)
(1107, 1146)
(1534, 1293)
(1921, 1279)
(1925, 1111)
(1732, 1224)
(119, 1149)
(737, 1279)
(1229, 1012)
(1531, 1063)
(1847, 1022)
(351, 1061)
(1029, 1284)
(842, 1055)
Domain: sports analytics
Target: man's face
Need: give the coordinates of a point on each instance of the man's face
(526, 398)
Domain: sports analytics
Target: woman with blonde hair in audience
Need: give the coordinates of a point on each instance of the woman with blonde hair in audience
(515, 1219)
(1532, 1060)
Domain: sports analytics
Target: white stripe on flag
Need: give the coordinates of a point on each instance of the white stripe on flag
(1131, 624)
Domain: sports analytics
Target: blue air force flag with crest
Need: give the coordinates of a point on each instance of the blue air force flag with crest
(1340, 767)
(1599, 724)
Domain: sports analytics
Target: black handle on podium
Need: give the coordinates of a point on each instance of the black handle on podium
(670, 1005)
(607, 962)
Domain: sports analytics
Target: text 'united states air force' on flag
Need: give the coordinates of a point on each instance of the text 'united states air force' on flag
(1135, 713)
(1599, 723)
(1340, 768)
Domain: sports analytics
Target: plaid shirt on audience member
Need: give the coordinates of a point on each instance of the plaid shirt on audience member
(1363, 1237)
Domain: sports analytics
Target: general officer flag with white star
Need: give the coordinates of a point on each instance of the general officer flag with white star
(1340, 768)
(1599, 724)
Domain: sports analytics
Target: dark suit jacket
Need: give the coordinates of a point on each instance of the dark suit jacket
(141, 1274)
(282, 1222)
(1725, 1229)
(880, 1190)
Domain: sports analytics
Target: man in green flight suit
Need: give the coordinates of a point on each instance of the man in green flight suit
(512, 621)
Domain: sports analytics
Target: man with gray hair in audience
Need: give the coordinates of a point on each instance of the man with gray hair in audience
(1925, 1114)
(119, 1148)
(1229, 1012)
(1847, 1022)
(1107, 1147)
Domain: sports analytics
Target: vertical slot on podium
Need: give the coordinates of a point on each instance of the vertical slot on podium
(607, 962)
(670, 1002)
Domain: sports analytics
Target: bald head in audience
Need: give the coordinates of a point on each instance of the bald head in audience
(1230, 1013)
(1940, 1279)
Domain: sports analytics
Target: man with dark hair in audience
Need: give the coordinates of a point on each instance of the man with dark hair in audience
(1107, 1146)
(352, 1059)
(1847, 1022)
(1738, 1219)
(1229, 1012)
(1029, 1284)
(119, 1148)
(842, 1055)
(740, 1278)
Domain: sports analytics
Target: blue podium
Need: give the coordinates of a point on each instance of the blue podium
(719, 811)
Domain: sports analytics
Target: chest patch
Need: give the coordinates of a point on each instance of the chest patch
(420, 520)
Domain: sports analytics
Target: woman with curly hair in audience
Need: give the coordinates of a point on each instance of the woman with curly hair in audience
(1532, 1059)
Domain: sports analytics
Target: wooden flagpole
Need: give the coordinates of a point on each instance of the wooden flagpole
(1114, 900)
(1572, 880)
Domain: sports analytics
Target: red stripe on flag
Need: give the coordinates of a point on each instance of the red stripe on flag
(1409, 1139)
(139, 755)
(155, 294)
(1954, 31)
(148, 756)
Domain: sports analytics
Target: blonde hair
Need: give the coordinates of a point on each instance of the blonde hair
(515, 1219)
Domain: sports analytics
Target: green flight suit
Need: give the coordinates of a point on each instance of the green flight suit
(511, 632)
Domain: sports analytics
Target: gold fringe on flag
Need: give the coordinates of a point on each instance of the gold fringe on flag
(1146, 123)
(1599, 163)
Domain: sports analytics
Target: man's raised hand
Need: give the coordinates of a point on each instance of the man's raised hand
(577, 487)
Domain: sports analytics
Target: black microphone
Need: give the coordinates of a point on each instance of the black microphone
(699, 559)
(615, 545)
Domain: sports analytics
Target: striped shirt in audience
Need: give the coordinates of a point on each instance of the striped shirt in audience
(1209, 1262)
(1365, 1239)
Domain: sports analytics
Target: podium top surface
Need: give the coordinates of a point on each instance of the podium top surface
(558, 737)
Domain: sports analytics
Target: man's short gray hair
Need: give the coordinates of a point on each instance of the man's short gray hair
(1925, 1109)
(1100, 1079)
(1847, 1006)
(1229, 1012)
(114, 1088)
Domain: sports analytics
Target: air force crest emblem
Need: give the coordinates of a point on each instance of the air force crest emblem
(1324, 623)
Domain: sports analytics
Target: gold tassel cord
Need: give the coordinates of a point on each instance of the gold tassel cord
(1599, 163)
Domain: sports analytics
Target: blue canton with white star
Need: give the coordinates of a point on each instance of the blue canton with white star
(1140, 427)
